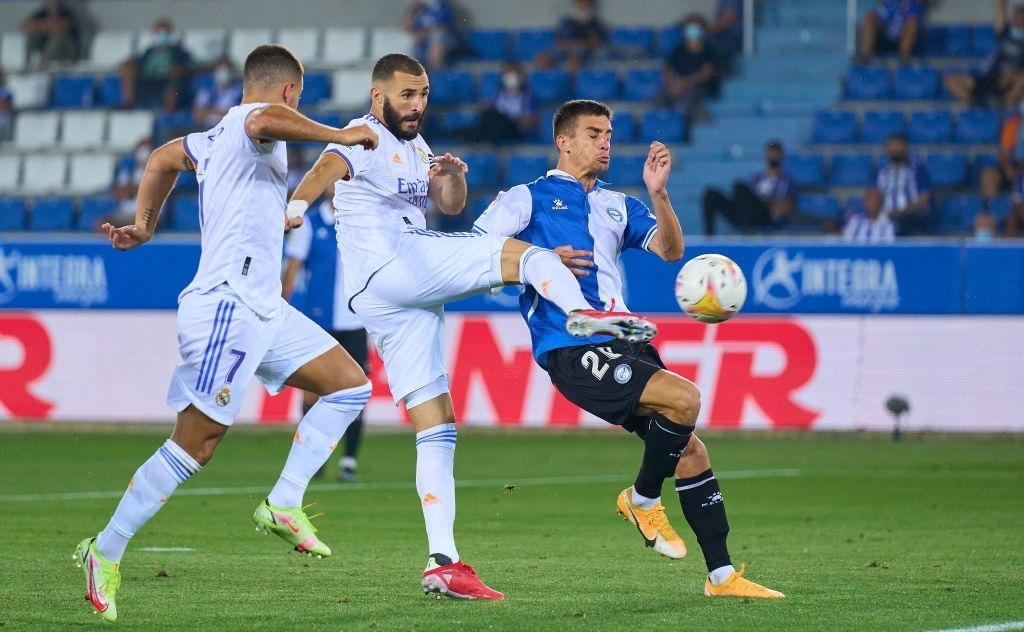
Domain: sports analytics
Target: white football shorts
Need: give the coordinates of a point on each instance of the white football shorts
(402, 306)
(223, 344)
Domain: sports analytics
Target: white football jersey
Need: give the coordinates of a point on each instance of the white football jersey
(242, 197)
(385, 195)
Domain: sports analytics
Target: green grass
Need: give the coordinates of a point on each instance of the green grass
(860, 532)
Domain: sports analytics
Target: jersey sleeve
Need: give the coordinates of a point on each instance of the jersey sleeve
(299, 241)
(196, 148)
(357, 158)
(641, 224)
(508, 215)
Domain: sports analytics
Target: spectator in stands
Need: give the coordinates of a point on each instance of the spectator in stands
(1015, 221)
(1000, 177)
(906, 189)
(1001, 75)
(51, 34)
(763, 202)
(689, 76)
(725, 35)
(581, 35)
(6, 108)
(985, 226)
(432, 26)
(161, 77)
(870, 226)
(212, 102)
(510, 116)
(891, 27)
(125, 187)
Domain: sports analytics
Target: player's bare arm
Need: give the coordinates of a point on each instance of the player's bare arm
(328, 168)
(667, 242)
(161, 173)
(280, 122)
(448, 184)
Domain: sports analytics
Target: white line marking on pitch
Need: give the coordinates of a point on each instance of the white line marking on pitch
(166, 549)
(995, 627)
(487, 482)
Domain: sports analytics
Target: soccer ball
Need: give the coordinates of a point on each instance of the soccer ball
(711, 288)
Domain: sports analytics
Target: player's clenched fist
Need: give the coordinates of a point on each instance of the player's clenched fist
(358, 135)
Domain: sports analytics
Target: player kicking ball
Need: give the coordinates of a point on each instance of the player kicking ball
(621, 381)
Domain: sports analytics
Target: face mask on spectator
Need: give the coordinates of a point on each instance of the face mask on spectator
(984, 234)
(162, 38)
(775, 163)
(222, 75)
(693, 32)
(510, 81)
(898, 159)
(1016, 33)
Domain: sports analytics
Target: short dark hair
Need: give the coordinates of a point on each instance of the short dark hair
(388, 65)
(270, 64)
(564, 121)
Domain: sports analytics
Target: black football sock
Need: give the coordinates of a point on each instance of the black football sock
(701, 499)
(663, 444)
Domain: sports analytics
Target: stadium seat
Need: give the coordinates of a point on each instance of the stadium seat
(834, 127)
(12, 50)
(316, 88)
(90, 174)
(332, 119)
(43, 173)
(484, 170)
(351, 88)
(623, 127)
(489, 44)
(51, 213)
(933, 126)
(544, 134)
(911, 82)
(977, 126)
(126, 128)
(947, 40)
(867, 82)
(851, 170)
(878, 125)
(454, 120)
(242, 41)
(10, 173)
(627, 169)
(957, 213)
(343, 46)
(489, 84)
(549, 86)
(807, 170)
(207, 45)
(35, 130)
(641, 84)
(633, 42)
(668, 37)
(1001, 206)
(73, 91)
(528, 43)
(451, 86)
(29, 90)
(12, 213)
(980, 162)
(599, 84)
(523, 168)
(83, 129)
(110, 91)
(983, 40)
(303, 41)
(667, 126)
(823, 206)
(93, 209)
(946, 169)
(385, 40)
(110, 48)
(186, 213)
(853, 205)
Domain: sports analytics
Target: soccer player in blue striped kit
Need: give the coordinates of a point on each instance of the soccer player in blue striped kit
(625, 383)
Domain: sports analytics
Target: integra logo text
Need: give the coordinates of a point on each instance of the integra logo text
(77, 280)
(781, 281)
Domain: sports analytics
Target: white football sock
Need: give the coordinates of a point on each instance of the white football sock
(315, 439)
(435, 484)
(148, 490)
(544, 271)
(720, 574)
(643, 502)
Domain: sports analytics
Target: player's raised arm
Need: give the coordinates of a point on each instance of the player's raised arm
(280, 122)
(448, 184)
(161, 172)
(667, 242)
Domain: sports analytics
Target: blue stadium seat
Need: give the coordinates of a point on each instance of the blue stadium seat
(632, 41)
(110, 91)
(73, 91)
(851, 170)
(980, 162)
(530, 42)
(451, 86)
(489, 44)
(935, 126)
(977, 126)
(51, 213)
(599, 84)
(957, 213)
(915, 83)
(188, 183)
(489, 85)
(667, 126)
(623, 127)
(1001, 206)
(549, 86)
(823, 206)
(12, 213)
(807, 170)
(668, 38)
(641, 84)
(948, 40)
(627, 169)
(983, 40)
(853, 205)
(544, 132)
(92, 210)
(867, 82)
(316, 88)
(454, 120)
(834, 127)
(205, 81)
(878, 125)
(524, 168)
(484, 170)
(947, 169)
(186, 213)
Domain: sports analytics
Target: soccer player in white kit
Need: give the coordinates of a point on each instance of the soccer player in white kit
(399, 275)
(232, 322)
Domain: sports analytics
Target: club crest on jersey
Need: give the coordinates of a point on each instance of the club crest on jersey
(223, 397)
(615, 214)
(424, 156)
(623, 373)
(558, 205)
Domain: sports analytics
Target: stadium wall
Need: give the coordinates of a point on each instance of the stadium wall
(829, 332)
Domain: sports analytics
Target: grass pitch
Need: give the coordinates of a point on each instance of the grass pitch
(860, 532)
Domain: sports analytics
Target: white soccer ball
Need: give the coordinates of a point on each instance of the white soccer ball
(711, 288)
